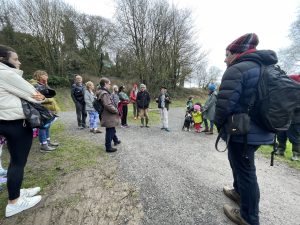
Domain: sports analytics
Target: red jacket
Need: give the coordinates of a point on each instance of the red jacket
(295, 77)
(132, 96)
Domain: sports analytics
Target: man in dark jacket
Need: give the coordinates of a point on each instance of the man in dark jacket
(77, 94)
(143, 101)
(238, 84)
(163, 101)
(293, 133)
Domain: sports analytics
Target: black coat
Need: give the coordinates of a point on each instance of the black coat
(167, 101)
(143, 99)
(237, 87)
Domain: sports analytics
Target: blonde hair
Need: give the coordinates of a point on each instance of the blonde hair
(89, 84)
(115, 87)
(38, 74)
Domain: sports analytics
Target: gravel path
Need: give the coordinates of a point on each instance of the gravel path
(180, 176)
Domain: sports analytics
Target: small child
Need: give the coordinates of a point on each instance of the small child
(3, 172)
(197, 117)
(89, 98)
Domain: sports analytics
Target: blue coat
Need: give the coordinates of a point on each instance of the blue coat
(238, 84)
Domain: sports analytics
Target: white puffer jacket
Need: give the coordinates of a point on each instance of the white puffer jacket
(12, 88)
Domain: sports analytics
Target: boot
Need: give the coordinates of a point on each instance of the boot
(211, 131)
(234, 215)
(206, 129)
(296, 152)
(46, 148)
(232, 194)
(280, 149)
(142, 122)
(147, 120)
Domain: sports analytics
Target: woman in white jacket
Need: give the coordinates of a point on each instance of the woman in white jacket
(15, 129)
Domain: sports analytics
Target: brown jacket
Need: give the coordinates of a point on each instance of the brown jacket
(110, 115)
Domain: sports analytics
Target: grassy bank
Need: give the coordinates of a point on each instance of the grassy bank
(44, 169)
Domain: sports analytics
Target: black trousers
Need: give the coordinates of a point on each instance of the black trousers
(110, 135)
(18, 134)
(81, 114)
(124, 115)
(245, 180)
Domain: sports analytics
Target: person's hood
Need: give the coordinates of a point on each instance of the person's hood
(266, 57)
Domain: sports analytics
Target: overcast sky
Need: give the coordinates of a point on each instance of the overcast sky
(219, 22)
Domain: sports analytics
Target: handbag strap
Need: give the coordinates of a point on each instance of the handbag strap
(218, 139)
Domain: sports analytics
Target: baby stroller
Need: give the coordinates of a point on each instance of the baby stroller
(188, 121)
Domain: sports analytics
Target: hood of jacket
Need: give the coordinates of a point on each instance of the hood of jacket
(266, 57)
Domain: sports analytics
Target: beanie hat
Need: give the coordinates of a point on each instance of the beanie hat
(142, 86)
(243, 43)
(212, 87)
(197, 107)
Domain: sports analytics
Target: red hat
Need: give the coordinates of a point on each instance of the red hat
(243, 43)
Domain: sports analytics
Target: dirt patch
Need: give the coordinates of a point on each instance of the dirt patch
(91, 196)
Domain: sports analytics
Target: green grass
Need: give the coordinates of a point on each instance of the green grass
(266, 151)
(154, 116)
(43, 169)
(64, 100)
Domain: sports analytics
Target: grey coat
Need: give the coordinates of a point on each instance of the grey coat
(110, 115)
(89, 98)
(210, 106)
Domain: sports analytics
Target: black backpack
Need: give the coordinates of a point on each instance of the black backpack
(98, 106)
(273, 105)
(276, 99)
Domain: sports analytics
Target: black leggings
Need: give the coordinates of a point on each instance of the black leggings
(124, 115)
(19, 140)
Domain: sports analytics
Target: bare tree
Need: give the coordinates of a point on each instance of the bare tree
(159, 41)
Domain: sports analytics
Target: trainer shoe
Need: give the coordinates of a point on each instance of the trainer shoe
(53, 144)
(22, 204)
(232, 194)
(295, 158)
(29, 192)
(234, 215)
(96, 131)
(46, 148)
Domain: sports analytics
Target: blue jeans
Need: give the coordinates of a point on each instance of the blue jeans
(110, 135)
(94, 116)
(44, 135)
(245, 180)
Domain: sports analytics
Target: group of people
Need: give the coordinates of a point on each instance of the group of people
(238, 85)
(197, 114)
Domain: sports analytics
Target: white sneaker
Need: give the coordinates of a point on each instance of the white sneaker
(22, 204)
(29, 192)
